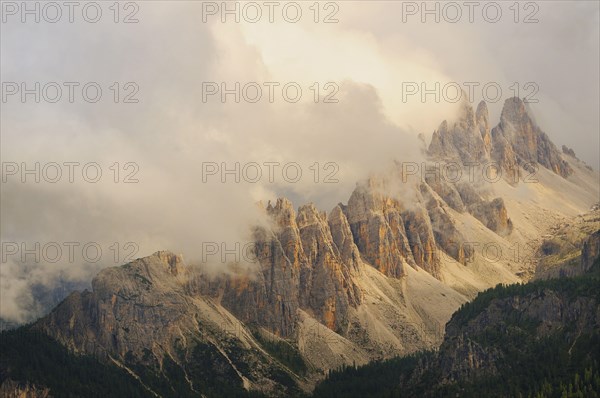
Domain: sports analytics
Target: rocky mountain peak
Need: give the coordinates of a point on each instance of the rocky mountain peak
(528, 142)
(482, 113)
(467, 114)
(173, 262)
(342, 237)
(514, 111)
(516, 142)
(309, 214)
(569, 151)
(283, 212)
(483, 123)
(336, 215)
(443, 128)
(462, 141)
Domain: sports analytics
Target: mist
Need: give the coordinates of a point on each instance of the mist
(159, 188)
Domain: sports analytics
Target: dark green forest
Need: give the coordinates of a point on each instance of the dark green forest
(558, 365)
(31, 356)
(562, 364)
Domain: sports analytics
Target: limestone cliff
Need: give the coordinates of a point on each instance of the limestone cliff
(529, 143)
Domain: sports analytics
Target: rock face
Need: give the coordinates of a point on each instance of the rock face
(463, 197)
(309, 261)
(482, 120)
(343, 238)
(568, 151)
(356, 284)
(467, 140)
(463, 355)
(447, 236)
(390, 236)
(493, 215)
(529, 143)
(447, 191)
(329, 286)
(569, 248)
(272, 298)
(378, 229)
(510, 341)
(590, 251)
(515, 141)
(421, 239)
(506, 158)
(145, 315)
(301, 267)
(108, 320)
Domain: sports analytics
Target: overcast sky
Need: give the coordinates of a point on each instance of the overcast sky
(370, 57)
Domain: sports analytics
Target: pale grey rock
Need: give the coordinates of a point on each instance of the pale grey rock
(376, 240)
(528, 141)
(590, 251)
(463, 141)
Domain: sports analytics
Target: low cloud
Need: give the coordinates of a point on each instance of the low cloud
(166, 140)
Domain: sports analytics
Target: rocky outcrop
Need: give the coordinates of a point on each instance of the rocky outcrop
(509, 341)
(329, 283)
(309, 260)
(146, 315)
(590, 251)
(493, 215)
(568, 151)
(515, 142)
(462, 356)
(529, 143)
(447, 191)
(505, 157)
(464, 140)
(343, 239)
(570, 248)
(377, 228)
(122, 311)
(483, 123)
(306, 261)
(447, 236)
(468, 359)
(388, 235)
(272, 296)
(464, 197)
(421, 239)
(520, 321)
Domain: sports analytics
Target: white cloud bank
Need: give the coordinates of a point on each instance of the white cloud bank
(369, 54)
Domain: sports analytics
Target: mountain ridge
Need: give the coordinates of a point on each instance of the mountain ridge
(539, 339)
(373, 279)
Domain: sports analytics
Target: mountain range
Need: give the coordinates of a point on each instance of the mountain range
(377, 278)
